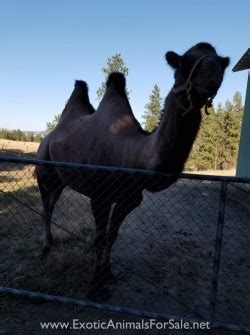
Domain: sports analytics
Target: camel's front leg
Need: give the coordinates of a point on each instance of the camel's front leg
(101, 212)
(122, 208)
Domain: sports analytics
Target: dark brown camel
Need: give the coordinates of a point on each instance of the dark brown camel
(111, 136)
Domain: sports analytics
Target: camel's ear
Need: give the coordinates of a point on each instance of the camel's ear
(224, 62)
(173, 59)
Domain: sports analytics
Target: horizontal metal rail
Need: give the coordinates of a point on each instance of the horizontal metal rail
(116, 309)
(131, 171)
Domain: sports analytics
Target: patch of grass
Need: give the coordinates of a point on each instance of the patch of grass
(67, 269)
(19, 146)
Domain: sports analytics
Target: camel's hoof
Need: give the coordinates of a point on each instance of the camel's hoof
(99, 295)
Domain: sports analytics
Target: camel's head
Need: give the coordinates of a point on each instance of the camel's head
(198, 75)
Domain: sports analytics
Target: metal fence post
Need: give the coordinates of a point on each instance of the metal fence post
(217, 253)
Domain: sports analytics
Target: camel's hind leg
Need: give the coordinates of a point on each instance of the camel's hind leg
(122, 208)
(50, 189)
(49, 205)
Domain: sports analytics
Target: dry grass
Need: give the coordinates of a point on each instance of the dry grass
(17, 180)
(19, 146)
(230, 172)
(22, 237)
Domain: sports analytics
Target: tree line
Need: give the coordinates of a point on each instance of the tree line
(216, 146)
(18, 135)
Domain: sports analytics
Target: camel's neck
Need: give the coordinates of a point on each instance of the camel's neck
(172, 142)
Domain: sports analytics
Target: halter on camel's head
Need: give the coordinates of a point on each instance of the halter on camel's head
(198, 76)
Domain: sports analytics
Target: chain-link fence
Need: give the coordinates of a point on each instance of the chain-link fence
(183, 251)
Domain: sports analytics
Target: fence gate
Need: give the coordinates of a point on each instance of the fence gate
(183, 252)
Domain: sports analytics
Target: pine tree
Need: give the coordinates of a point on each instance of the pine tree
(203, 154)
(20, 135)
(152, 110)
(238, 109)
(30, 137)
(51, 125)
(234, 118)
(216, 146)
(38, 138)
(115, 63)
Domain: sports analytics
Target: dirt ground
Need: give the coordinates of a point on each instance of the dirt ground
(163, 258)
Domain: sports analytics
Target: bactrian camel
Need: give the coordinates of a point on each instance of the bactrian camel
(111, 136)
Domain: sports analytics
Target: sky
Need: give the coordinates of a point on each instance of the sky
(46, 45)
